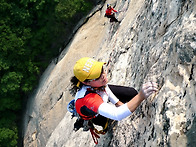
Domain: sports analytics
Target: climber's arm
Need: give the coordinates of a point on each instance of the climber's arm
(146, 91)
(119, 103)
(121, 112)
(113, 112)
(114, 10)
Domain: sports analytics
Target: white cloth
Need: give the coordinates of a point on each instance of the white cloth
(106, 95)
(113, 112)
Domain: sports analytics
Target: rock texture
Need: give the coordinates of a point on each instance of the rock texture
(156, 40)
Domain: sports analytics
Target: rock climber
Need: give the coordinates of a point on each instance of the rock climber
(97, 100)
(110, 13)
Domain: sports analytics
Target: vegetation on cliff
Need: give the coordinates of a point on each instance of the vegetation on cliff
(32, 31)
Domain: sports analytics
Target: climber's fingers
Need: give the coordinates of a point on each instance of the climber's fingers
(149, 88)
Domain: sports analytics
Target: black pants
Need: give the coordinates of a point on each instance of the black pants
(124, 94)
(112, 18)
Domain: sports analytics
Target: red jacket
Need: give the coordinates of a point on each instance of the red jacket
(109, 11)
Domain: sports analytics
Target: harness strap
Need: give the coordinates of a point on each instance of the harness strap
(95, 132)
(102, 131)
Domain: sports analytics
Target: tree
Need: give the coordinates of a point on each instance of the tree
(31, 33)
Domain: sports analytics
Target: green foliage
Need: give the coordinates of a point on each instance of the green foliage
(8, 137)
(8, 129)
(32, 31)
(67, 9)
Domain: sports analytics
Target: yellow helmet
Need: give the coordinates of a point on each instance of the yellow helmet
(108, 5)
(87, 68)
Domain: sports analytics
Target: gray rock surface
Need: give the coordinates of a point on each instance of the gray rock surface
(156, 40)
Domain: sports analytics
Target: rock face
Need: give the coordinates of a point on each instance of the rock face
(156, 40)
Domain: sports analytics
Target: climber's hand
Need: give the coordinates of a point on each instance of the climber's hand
(148, 88)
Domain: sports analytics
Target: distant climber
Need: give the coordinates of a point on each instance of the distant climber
(109, 13)
(94, 96)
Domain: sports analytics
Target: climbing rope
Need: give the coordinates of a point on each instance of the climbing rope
(94, 136)
(95, 132)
